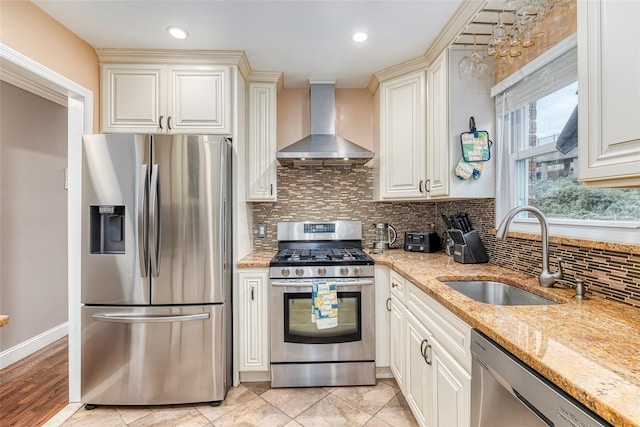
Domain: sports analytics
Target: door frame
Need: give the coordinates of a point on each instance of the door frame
(41, 80)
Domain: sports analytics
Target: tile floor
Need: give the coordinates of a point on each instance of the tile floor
(256, 404)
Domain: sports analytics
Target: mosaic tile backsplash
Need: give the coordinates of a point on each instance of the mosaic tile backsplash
(314, 193)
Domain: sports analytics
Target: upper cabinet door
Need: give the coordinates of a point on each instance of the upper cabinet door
(132, 97)
(199, 99)
(161, 98)
(261, 148)
(402, 138)
(438, 127)
(609, 92)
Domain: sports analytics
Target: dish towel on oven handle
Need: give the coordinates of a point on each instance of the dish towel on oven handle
(324, 304)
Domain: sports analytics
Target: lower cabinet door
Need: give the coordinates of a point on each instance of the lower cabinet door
(396, 341)
(418, 370)
(253, 313)
(451, 392)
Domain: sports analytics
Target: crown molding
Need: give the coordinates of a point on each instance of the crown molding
(465, 14)
(267, 77)
(174, 56)
(416, 64)
(458, 22)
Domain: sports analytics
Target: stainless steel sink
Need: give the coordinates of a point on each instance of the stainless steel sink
(496, 293)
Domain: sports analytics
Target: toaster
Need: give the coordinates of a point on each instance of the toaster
(421, 241)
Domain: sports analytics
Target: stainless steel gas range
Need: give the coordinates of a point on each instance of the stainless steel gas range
(304, 352)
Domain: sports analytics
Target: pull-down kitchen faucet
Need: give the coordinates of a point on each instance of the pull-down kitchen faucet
(546, 278)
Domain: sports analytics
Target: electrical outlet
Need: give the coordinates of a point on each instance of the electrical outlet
(262, 230)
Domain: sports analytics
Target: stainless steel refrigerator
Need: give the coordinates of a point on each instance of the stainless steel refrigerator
(156, 269)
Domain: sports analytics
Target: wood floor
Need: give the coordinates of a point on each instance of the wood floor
(35, 388)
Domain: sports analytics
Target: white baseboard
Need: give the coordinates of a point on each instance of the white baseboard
(25, 348)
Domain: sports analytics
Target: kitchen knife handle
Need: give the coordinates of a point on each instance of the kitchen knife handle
(143, 249)
(155, 221)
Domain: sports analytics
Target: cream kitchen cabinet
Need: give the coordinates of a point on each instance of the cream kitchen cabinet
(609, 98)
(418, 369)
(261, 151)
(438, 169)
(460, 99)
(383, 319)
(421, 116)
(430, 356)
(252, 296)
(165, 98)
(401, 145)
(450, 390)
(397, 327)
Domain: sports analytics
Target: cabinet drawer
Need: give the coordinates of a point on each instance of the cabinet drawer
(398, 286)
(452, 333)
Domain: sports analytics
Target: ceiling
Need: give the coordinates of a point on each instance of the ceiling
(305, 39)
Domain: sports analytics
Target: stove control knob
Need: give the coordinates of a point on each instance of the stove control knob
(322, 271)
(344, 271)
(285, 272)
(299, 271)
(357, 271)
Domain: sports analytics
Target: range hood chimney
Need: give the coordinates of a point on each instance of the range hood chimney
(323, 146)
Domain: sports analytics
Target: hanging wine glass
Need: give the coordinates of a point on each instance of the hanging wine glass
(514, 42)
(527, 36)
(465, 66)
(500, 32)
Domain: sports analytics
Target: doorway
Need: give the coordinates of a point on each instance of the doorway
(38, 78)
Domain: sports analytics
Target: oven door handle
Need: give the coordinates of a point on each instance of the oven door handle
(310, 282)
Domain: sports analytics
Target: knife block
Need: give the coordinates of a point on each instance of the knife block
(467, 247)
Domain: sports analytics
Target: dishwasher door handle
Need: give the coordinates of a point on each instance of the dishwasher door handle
(533, 409)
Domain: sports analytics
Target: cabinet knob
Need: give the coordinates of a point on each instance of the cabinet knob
(160, 120)
(169, 122)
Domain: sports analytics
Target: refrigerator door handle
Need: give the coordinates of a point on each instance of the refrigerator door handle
(145, 318)
(155, 219)
(143, 249)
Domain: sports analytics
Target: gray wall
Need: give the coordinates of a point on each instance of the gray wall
(33, 215)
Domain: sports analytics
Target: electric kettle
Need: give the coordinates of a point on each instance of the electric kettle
(384, 237)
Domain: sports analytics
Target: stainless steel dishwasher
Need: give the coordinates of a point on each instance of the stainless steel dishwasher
(505, 392)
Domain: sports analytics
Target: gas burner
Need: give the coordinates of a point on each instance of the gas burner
(321, 249)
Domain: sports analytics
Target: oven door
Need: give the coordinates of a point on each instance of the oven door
(295, 338)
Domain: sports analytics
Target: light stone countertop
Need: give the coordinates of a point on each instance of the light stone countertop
(590, 349)
(4, 320)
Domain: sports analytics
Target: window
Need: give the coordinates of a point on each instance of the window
(538, 160)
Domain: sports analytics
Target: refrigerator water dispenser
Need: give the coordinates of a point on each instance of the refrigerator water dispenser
(106, 229)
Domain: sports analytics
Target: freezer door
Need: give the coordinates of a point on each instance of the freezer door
(153, 355)
(189, 212)
(114, 229)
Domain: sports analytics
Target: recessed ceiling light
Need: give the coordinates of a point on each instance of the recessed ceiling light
(359, 37)
(177, 32)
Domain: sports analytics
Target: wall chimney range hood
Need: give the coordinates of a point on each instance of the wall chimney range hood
(323, 147)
